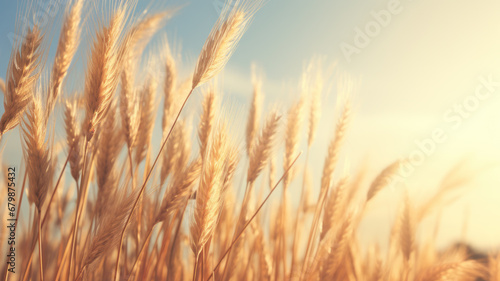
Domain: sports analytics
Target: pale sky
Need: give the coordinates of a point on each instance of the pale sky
(414, 70)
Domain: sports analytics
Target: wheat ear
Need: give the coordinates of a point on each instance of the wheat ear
(103, 72)
(169, 86)
(22, 73)
(255, 109)
(463, 270)
(383, 179)
(334, 148)
(147, 118)
(66, 49)
(292, 136)
(179, 190)
(134, 44)
(37, 154)
(261, 151)
(73, 138)
(207, 118)
(406, 235)
(109, 146)
(209, 195)
(315, 106)
(223, 39)
(177, 153)
(334, 207)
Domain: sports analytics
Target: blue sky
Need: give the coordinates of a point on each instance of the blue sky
(427, 57)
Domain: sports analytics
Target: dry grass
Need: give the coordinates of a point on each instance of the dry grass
(207, 213)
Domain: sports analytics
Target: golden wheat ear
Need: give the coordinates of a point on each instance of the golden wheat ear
(108, 149)
(147, 118)
(38, 163)
(68, 44)
(134, 44)
(207, 120)
(334, 148)
(22, 73)
(223, 39)
(255, 109)
(209, 198)
(261, 151)
(73, 138)
(103, 71)
(383, 179)
(179, 191)
(293, 126)
(315, 89)
(170, 84)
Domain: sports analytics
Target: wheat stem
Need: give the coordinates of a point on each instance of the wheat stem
(78, 203)
(297, 217)
(150, 231)
(40, 259)
(174, 241)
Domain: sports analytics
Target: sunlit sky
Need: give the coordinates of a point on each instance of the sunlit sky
(410, 73)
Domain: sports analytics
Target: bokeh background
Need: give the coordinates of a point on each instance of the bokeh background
(411, 70)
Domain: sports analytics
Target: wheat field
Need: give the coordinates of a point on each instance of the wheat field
(103, 203)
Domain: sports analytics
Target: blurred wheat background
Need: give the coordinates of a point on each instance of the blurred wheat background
(410, 78)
